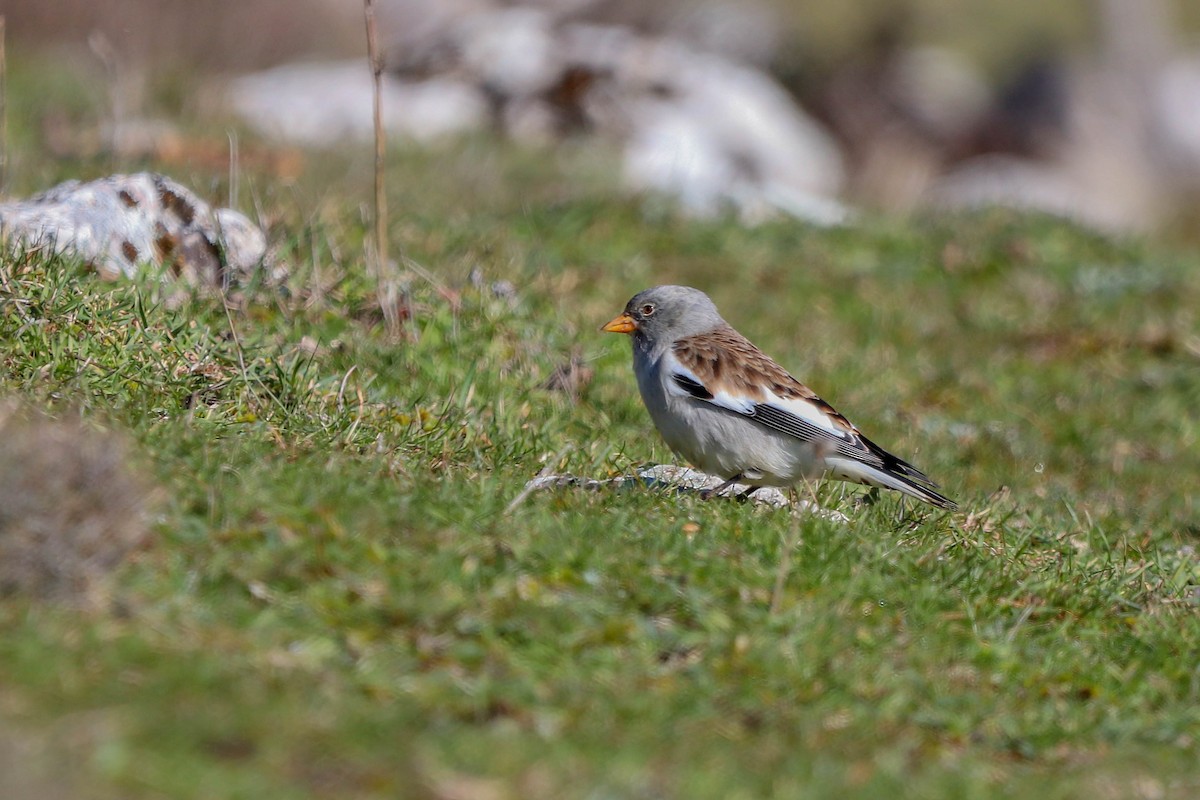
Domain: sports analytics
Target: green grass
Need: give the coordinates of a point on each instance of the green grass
(336, 604)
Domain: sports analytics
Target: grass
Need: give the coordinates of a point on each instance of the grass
(336, 605)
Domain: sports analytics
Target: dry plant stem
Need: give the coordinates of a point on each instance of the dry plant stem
(383, 280)
(544, 471)
(317, 292)
(102, 47)
(6, 286)
(3, 110)
(237, 342)
(234, 171)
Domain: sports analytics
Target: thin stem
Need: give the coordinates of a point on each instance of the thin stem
(3, 110)
(386, 286)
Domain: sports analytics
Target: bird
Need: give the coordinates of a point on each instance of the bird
(729, 409)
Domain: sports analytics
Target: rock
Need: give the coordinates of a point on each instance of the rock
(1008, 181)
(510, 51)
(323, 105)
(716, 133)
(1106, 173)
(743, 30)
(683, 479)
(122, 224)
(1177, 105)
(710, 130)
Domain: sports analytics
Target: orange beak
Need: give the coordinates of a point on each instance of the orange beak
(621, 324)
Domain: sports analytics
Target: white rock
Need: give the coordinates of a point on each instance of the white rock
(323, 104)
(673, 153)
(718, 133)
(941, 89)
(683, 479)
(513, 51)
(1008, 181)
(712, 131)
(1177, 107)
(122, 223)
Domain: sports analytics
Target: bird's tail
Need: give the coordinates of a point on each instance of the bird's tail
(858, 472)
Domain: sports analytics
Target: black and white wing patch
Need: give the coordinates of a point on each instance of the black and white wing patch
(798, 417)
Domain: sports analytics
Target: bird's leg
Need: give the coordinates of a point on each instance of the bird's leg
(708, 494)
(870, 498)
(744, 496)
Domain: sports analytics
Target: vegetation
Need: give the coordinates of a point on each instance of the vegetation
(336, 603)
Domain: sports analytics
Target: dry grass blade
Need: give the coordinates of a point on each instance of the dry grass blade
(531, 486)
(3, 109)
(384, 280)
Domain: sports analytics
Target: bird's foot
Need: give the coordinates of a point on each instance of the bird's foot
(744, 497)
(708, 494)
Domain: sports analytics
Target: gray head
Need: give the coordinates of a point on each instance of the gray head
(666, 313)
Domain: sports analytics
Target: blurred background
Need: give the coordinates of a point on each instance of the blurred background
(1084, 108)
(544, 163)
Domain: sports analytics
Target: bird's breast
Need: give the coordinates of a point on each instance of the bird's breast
(718, 441)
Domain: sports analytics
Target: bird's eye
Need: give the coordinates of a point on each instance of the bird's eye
(647, 309)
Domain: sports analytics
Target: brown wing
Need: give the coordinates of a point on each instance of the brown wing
(724, 360)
